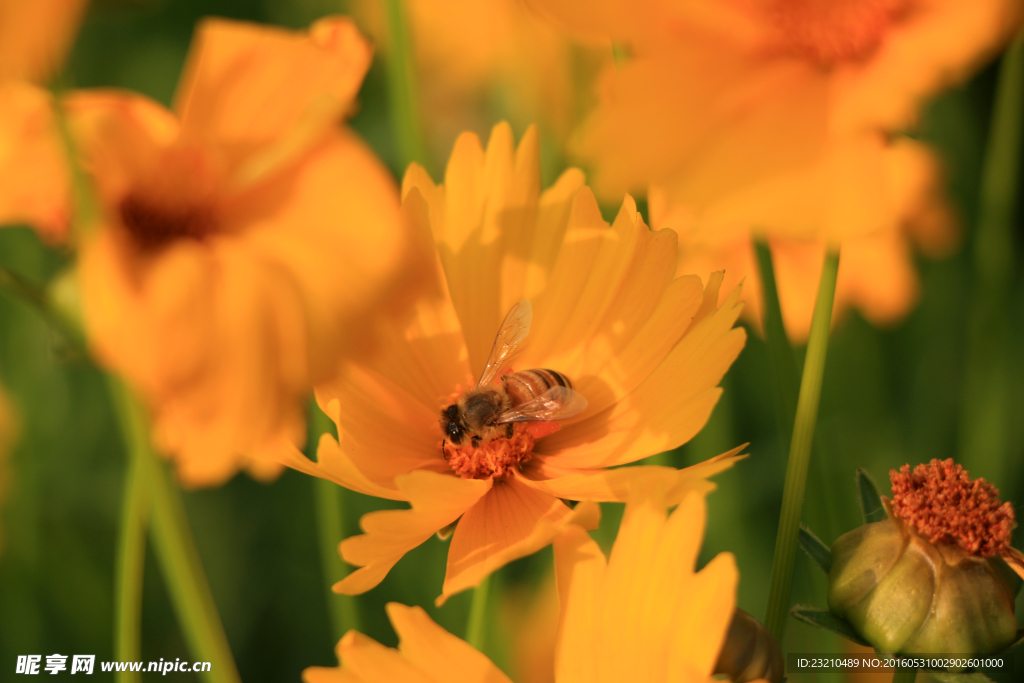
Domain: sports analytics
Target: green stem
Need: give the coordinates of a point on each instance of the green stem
(800, 450)
(405, 109)
(175, 549)
(476, 631)
(780, 353)
(132, 543)
(985, 419)
(330, 512)
(904, 675)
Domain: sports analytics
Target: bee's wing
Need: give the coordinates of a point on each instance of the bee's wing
(557, 403)
(513, 331)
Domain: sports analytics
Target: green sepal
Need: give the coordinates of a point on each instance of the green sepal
(869, 498)
(822, 618)
(816, 548)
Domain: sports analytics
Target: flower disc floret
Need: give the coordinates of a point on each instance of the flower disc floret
(944, 505)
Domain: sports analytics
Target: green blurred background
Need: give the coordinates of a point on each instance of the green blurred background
(890, 397)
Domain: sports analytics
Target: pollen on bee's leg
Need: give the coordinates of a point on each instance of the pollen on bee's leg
(492, 459)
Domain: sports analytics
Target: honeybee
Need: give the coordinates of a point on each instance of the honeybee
(489, 411)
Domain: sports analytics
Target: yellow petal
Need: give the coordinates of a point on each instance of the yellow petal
(644, 614)
(628, 483)
(34, 179)
(368, 661)
(35, 37)
(436, 499)
(611, 311)
(702, 621)
(490, 202)
(249, 84)
(666, 410)
(513, 520)
(438, 653)
(580, 567)
(426, 654)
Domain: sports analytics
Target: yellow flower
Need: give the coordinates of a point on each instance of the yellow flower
(644, 348)
(642, 614)
(774, 118)
(243, 239)
(721, 95)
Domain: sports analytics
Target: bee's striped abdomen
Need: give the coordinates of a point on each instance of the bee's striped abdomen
(527, 384)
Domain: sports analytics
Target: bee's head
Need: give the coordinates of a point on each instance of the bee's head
(451, 423)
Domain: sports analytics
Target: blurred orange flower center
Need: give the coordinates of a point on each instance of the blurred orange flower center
(173, 199)
(832, 31)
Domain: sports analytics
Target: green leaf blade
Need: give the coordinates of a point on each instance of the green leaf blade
(870, 500)
(816, 548)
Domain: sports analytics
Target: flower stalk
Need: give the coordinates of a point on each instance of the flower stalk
(406, 126)
(132, 542)
(476, 633)
(175, 550)
(330, 512)
(985, 419)
(800, 450)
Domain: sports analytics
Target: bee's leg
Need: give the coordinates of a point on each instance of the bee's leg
(508, 430)
(444, 453)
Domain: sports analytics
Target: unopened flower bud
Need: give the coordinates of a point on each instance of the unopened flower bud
(929, 578)
(749, 652)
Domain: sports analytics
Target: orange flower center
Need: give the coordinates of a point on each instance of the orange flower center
(491, 459)
(945, 505)
(172, 200)
(831, 31)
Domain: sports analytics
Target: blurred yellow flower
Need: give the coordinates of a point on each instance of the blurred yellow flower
(242, 238)
(774, 118)
(645, 348)
(722, 96)
(642, 615)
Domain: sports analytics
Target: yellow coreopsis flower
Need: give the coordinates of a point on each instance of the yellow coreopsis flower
(643, 348)
(773, 118)
(243, 239)
(642, 614)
